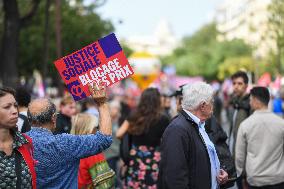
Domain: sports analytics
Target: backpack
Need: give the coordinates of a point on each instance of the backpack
(26, 125)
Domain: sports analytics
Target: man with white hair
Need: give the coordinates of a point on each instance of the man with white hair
(189, 159)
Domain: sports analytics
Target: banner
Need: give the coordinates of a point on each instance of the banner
(102, 60)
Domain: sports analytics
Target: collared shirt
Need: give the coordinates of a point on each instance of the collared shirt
(8, 176)
(259, 149)
(214, 160)
(20, 121)
(59, 156)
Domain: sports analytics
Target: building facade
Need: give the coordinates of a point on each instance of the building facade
(247, 20)
(162, 42)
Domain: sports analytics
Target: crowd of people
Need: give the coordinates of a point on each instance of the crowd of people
(104, 143)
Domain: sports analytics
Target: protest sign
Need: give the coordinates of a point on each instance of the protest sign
(102, 60)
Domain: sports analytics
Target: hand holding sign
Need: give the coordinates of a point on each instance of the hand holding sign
(102, 60)
(98, 92)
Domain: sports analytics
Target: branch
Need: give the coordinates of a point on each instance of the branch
(25, 20)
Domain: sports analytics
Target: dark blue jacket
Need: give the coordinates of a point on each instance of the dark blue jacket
(185, 162)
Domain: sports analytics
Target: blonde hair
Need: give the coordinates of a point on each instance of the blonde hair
(67, 99)
(83, 124)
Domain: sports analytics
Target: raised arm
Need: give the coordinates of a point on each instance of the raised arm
(80, 146)
(99, 95)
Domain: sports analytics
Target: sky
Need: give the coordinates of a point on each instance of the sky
(140, 17)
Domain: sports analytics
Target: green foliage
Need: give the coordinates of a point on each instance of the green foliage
(201, 53)
(276, 27)
(276, 20)
(81, 25)
(231, 65)
(126, 49)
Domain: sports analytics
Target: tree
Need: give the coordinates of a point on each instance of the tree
(80, 26)
(233, 64)
(276, 27)
(13, 23)
(36, 45)
(201, 53)
(46, 35)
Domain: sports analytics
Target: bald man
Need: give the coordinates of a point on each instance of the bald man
(58, 156)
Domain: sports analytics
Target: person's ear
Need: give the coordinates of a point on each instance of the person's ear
(202, 105)
(53, 119)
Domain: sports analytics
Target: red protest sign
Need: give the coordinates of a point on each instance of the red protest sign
(102, 60)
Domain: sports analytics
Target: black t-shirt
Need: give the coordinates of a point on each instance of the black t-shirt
(153, 136)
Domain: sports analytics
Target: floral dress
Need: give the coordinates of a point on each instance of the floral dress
(143, 169)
